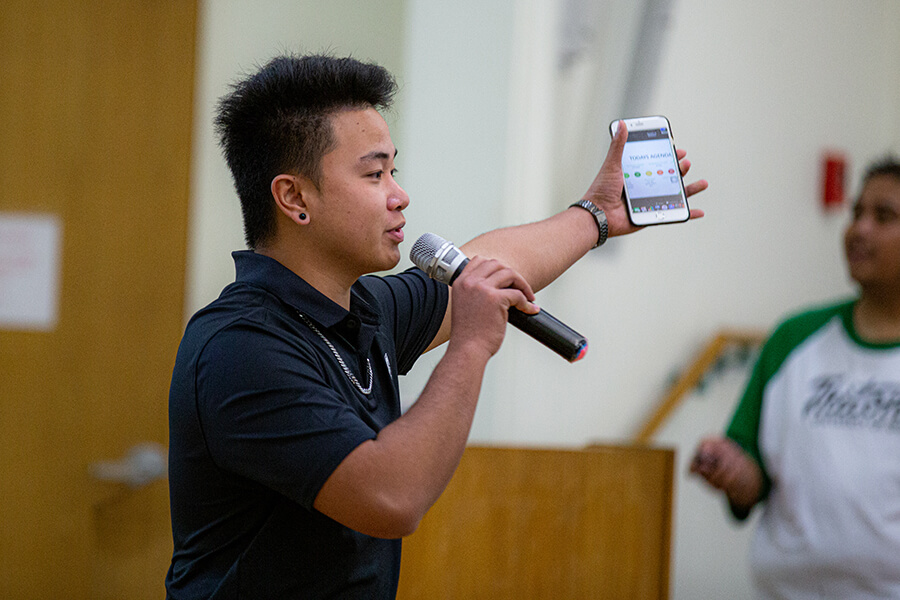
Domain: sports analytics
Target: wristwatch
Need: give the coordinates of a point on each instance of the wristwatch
(599, 216)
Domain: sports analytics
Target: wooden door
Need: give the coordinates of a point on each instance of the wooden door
(95, 127)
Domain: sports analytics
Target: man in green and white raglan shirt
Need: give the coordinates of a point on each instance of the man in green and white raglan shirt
(816, 436)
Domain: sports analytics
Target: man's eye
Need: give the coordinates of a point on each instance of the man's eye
(380, 174)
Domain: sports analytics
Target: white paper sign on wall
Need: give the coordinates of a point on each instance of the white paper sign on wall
(30, 268)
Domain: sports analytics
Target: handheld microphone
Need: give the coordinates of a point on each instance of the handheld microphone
(443, 261)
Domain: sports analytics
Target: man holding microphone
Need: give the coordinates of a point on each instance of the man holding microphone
(292, 472)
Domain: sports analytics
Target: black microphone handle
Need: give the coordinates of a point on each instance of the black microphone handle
(544, 328)
(551, 332)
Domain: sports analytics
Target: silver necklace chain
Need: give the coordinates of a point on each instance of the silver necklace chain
(365, 390)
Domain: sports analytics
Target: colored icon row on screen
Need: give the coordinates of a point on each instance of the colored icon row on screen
(648, 173)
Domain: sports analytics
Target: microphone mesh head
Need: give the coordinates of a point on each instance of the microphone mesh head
(425, 249)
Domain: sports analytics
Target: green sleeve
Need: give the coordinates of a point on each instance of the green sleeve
(744, 427)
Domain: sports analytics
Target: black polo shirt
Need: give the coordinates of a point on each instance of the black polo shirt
(261, 413)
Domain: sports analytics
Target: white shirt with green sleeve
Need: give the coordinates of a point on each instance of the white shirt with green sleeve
(821, 414)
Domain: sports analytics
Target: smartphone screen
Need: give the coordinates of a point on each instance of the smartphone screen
(654, 191)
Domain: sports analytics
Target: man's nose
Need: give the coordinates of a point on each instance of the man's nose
(399, 199)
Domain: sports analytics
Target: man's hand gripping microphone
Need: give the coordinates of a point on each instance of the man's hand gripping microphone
(443, 261)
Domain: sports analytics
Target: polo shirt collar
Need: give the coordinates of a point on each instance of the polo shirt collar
(267, 273)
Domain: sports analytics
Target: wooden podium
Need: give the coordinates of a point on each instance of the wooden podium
(523, 524)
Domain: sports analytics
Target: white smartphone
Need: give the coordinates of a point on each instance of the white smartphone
(654, 190)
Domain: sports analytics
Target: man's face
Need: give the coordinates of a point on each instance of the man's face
(358, 212)
(872, 240)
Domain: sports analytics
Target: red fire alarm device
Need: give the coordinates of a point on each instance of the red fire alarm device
(834, 168)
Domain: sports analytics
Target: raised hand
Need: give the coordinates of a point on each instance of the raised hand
(607, 187)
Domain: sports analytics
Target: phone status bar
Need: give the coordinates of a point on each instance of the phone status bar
(648, 134)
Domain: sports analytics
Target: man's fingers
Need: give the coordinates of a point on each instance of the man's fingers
(501, 277)
(697, 186)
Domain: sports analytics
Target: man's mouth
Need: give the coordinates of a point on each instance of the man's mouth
(397, 233)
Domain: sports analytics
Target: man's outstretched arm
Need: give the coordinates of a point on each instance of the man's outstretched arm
(544, 250)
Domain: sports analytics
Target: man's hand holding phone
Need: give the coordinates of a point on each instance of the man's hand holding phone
(608, 187)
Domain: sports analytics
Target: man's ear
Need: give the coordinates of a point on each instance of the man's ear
(289, 193)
